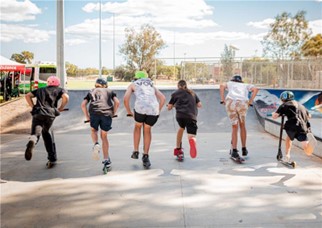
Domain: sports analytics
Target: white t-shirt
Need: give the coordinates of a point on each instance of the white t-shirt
(146, 101)
(238, 90)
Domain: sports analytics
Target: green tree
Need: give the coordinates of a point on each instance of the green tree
(141, 48)
(313, 47)
(71, 69)
(23, 57)
(227, 61)
(286, 36)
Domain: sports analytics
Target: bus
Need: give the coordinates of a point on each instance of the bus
(36, 74)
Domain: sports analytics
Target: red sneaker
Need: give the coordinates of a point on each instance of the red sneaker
(179, 153)
(193, 148)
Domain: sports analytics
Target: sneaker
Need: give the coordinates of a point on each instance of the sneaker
(50, 164)
(29, 149)
(234, 154)
(179, 153)
(107, 164)
(193, 149)
(96, 152)
(135, 155)
(244, 151)
(286, 158)
(146, 161)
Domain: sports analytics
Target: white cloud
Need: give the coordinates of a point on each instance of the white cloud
(192, 13)
(264, 24)
(14, 11)
(23, 33)
(316, 26)
(73, 42)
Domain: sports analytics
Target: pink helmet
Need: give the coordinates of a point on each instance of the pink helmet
(53, 81)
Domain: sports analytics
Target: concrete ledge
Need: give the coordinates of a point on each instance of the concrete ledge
(273, 127)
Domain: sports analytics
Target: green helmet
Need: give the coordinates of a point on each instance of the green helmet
(287, 96)
(140, 74)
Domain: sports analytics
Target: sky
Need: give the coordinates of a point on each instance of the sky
(191, 28)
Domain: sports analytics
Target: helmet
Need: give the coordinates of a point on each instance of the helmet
(101, 81)
(236, 78)
(53, 81)
(140, 74)
(287, 96)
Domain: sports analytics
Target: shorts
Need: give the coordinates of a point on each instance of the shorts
(236, 110)
(190, 124)
(147, 119)
(104, 122)
(300, 136)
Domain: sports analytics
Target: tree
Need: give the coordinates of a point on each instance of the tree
(141, 48)
(71, 69)
(313, 47)
(286, 36)
(227, 61)
(24, 57)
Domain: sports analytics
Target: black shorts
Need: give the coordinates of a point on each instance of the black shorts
(147, 119)
(301, 137)
(190, 124)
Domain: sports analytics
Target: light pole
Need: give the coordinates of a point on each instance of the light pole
(100, 42)
(184, 69)
(60, 40)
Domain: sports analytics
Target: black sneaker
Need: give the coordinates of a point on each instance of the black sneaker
(50, 164)
(234, 154)
(107, 163)
(146, 161)
(244, 151)
(135, 155)
(29, 149)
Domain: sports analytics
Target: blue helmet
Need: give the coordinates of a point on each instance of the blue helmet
(287, 96)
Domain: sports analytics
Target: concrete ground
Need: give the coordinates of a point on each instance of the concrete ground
(209, 191)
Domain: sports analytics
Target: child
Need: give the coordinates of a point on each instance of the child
(186, 103)
(148, 104)
(44, 113)
(103, 105)
(237, 103)
(297, 125)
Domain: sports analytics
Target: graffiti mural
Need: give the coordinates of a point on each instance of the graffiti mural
(268, 100)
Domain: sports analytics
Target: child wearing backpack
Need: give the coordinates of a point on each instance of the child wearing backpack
(297, 125)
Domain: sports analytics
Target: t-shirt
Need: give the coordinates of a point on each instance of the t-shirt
(238, 90)
(47, 99)
(297, 116)
(185, 103)
(101, 101)
(146, 101)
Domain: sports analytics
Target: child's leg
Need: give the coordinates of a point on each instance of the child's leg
(309, 144)
(288, 145)
(137, 135)
(94, 135)
(234, 134)
(105, 144)
(147, 138)
(179, 137)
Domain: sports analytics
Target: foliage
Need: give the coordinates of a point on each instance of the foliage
(196, 72)
(227, 61)
(71, 69)
(286, 36)
(23, 57)
(313, 47)
(141, 48)
(123, 73)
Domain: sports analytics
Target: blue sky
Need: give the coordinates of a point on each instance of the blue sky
(190, 28)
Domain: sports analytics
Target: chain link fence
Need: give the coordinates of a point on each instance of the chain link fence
(296, 74)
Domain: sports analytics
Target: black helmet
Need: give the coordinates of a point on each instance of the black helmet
(287, 96)
(236, 78)
(101, 81)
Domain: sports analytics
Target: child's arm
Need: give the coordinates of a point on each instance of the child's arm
(116, 105)
(126, 99)
(222, 92)
(84, 109)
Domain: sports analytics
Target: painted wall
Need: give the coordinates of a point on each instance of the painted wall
(268, 100)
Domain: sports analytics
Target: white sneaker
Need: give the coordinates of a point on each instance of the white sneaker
(96, 152)
(286, 159)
